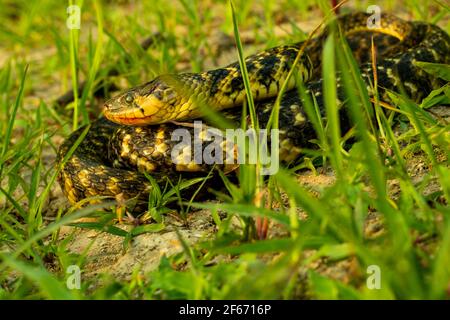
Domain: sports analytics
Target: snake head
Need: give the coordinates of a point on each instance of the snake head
(157, 101)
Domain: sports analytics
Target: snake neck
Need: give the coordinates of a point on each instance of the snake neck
(224, 87)
(267, 71)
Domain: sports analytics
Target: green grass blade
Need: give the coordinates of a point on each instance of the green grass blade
(330, 101)
(49, 285)
(9, 128)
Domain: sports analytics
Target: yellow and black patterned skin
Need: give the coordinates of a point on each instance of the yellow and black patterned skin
(111, 160)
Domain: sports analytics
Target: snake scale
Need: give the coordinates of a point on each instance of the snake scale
(136, 135)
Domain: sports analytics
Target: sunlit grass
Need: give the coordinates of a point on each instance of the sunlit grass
(333, 230)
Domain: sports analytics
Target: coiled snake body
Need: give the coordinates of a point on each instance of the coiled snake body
(137, 138)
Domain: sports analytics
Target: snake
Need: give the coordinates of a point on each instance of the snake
(130, 148)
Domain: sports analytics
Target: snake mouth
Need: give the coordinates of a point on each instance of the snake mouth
(126, 115)
(129, 119)
(142, 110)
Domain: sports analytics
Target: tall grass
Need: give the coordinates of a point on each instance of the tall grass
(74, 68)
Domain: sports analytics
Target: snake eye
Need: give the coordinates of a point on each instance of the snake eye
(129, 98)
